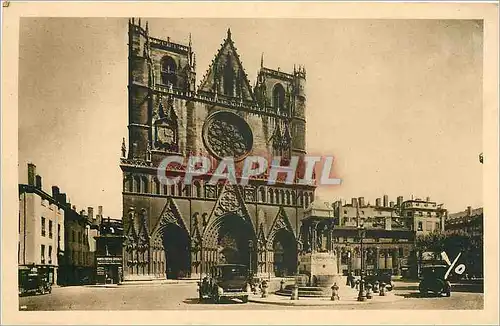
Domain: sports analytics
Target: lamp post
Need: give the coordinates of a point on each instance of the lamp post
(362, 293)
(349, 264)
(250, 250)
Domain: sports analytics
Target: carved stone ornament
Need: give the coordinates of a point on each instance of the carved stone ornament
(168, 218)
(250, 193)
(280, 223)
(228, 203)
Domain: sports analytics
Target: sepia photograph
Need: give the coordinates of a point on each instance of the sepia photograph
(233, 164)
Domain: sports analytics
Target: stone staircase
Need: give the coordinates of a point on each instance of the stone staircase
(322, 290)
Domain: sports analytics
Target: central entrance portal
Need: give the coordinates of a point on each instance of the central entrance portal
(233, 240)
(176, 247)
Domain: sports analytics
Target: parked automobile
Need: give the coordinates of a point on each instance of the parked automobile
(432, 280)
(380, 275)
(225, 281)
(34, 283)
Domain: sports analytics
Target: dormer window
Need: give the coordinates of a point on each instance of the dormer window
(168, 71)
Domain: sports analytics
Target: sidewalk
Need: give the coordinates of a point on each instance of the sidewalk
(348, 300)
(145, 283)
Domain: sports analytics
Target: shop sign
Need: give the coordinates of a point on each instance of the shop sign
(109, 260)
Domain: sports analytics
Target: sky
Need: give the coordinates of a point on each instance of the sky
(398, 103)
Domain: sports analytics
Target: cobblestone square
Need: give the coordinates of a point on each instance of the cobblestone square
(184, 296)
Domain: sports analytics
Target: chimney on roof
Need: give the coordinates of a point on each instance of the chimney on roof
(99, 215)
(55, 192)
(391, 204)
(386, 201)
(62, 198)
(377, 202)
(90, 213)
(361, 201)
(469, 211)
(400, 200)
(354, 202)
(427, 199)
(31, 174)
(38, 184)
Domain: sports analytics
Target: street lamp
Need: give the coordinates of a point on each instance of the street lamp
(349, 264)
(362, 293)
(250, 247)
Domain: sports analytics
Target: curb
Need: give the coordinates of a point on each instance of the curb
(142, 283)
(305, 302)
(113, 286)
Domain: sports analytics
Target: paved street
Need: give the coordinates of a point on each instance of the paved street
(184, 297)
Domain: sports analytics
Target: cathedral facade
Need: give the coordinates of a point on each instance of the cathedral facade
(181, 230)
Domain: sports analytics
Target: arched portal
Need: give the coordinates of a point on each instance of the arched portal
(176, 248)
(285, 253)
(230, 240)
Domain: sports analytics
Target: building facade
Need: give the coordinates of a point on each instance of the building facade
(389, 232)
(109, 252)
(470, 223)
(41, 229)
(424, 216)
(181, 230)
(78, 264)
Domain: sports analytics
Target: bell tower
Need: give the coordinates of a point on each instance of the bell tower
(140, 82)
(158, 70)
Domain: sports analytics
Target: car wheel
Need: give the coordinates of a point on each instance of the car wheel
(448, 293)
(244, 299)
(216, 299)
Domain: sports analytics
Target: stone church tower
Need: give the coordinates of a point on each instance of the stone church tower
(179, 231)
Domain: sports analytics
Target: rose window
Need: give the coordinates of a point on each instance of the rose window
(227, 135)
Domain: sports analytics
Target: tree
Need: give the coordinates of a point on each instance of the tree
(433, 242)
(454, 243)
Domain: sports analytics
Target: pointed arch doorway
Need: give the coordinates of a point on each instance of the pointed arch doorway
(170, 245)
(285, 253)
(230, 240)
(176, 244)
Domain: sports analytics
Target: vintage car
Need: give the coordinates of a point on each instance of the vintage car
(380, 275)
(34, 283)
(432, 280)
(225, 281)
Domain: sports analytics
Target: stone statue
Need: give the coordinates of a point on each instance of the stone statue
(319, 240)
(124, 149)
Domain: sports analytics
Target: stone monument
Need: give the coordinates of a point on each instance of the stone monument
(318, 261)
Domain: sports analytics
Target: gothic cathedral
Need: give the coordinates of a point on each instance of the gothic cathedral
(180, 231)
